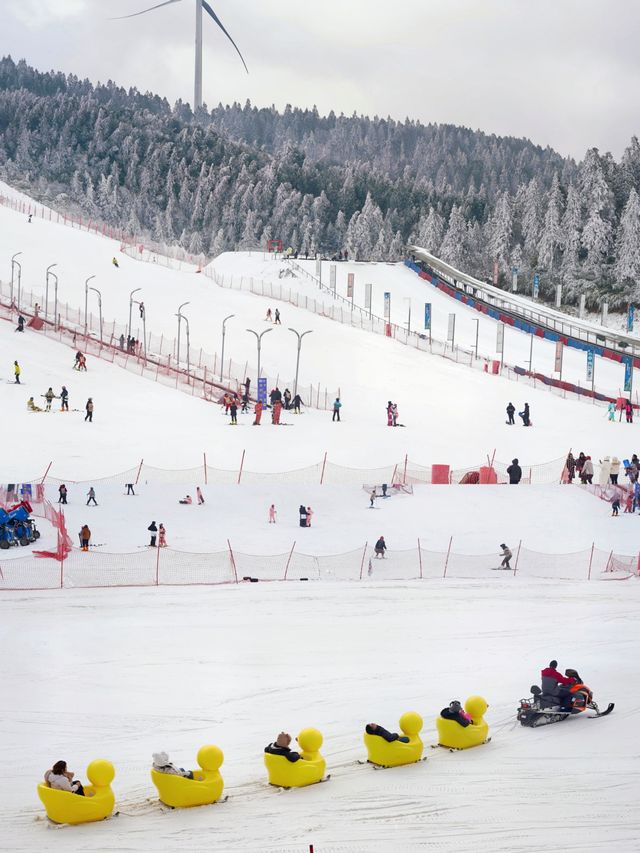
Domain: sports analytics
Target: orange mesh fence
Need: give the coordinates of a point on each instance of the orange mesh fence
(94, 568)
(395, 565)
(180, 568)
(30, 572)
(264, 567)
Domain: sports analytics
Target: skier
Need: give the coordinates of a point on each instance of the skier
(199, 496)
(287, 398)
(303, 515)
(77, 361)
(297, 402)
(64, 399)
(272, 514)
(510, 413)
(275, 396)
(276, 319)
(389, 413)
(49, 396)
(515, 473)
(570, 467)
(611, 411)
(16, 372)
(62, 494)
(32, 406)
(456, 712)
(337, 405)
(91, 494)
(245, 403)
(524, 414)
(162, 536)
(268, 317)
(380, 547)
(275, 413)
(554, 684)
(372, 497)
(309, 515)
(153, 529)
(20, 326)
(130, 490)
(258, 410)
(233, 409)
(85, 536)
(82, 362)
(507, 555)
(89, 410)
(114, 261)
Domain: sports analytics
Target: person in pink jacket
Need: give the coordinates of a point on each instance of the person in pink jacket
(162, 536)
(199, 495)
(272, 514)
(309, 514)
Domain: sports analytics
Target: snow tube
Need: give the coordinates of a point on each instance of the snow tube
(396, 753)
(97, 804)
(455, 736)
(298, 774)
(205, 788)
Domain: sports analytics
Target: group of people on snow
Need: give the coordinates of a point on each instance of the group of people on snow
(273, 318)
(524, 414)
(130, 344)
(392, 414)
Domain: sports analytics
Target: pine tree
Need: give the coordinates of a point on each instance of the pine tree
(500, 229)
(453, 244)
(628, 244)
(551, 236)
(430, 232)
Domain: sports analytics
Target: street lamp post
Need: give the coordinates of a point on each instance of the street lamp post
(14, 264)
(223, 334)
(131, 300)
(95, 290)
(143, 315)
(259, 341)
(86, 303)
(46, 290)
(180, 317)
(300, 336)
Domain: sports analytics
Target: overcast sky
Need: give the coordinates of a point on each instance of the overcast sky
(565, 73)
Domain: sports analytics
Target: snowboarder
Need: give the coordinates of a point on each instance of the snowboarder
(297, 402)
(337, 405)
(16, 372)
(32, 406)
(303, 515)
(372, 498)
(153, 529)
(130, 490)
(91, 494)
(114, 261)
(89, 410)
(20, 326)
(524, 414)
(162, 536)
(233, 409)
(309, 515)
(199, 496)
(515, 472)
(85, 537)
(507, 555)
(272, 514)
(64, 399)
(49, 397)
(510, 413)
(62, 494)
(258, 410)
(380, 547)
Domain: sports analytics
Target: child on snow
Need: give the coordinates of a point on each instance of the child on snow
(272, 514)
(162, 536)
(615, 506)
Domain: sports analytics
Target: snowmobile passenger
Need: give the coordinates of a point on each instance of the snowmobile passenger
(380, 731)
(456, 712)
(555, 685)
(161, 764)
(281, 747)
(62, 779)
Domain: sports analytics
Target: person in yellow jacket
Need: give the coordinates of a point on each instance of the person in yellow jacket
(32, 406)
(16, 372)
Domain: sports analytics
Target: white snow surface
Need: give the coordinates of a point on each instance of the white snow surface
(122, 673)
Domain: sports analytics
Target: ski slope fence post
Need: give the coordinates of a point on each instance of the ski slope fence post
(286, 568)
(364, 554)
(241, 467)
(420, 558)
(233, 561)
(446, 562)
(158, 566)
(45, 473)
(324, 462)
(204, 455)
(395, 471)
(139, 470)
(609, 561)
(593, 545)
(515, 568)
(404, 473)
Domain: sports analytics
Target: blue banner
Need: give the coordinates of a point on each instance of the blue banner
(427, 315)
(628, 374)
(630, 317)
(536, 286)
(262, 390)
(590, 365)
(387, 306)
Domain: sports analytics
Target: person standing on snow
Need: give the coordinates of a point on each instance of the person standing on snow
(272, 514)
(309, 516)
(372, 498)
(389, 413)
(199, 496)
(297, 402)
(611, 411)
(153, 529)
(379, 548)
(394, 414)
(586, 475)
(162, 536)
(286, 397)
(276, 319)
(628, 410)
(64, 399)
(524, 414)
(337, 405)
(85, 537)
(233, 409)
(258, 410)
(16, 372)
(20, 326)
(89, 410)
(615, 470)
(506, 555)
(62, 494)
(515, 473)
(510, 413)
(275, 413)
(91, 494)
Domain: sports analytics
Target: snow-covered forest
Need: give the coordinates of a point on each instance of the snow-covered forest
(234, 176)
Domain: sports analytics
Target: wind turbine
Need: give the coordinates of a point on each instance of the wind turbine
(200, 5)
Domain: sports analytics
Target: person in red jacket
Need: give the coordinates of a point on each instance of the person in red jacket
(555, 684)
(258, 411)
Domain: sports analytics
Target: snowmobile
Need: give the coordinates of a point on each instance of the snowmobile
(541, 710)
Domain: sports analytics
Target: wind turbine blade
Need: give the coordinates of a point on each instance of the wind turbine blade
(144, 11)
(208, 8)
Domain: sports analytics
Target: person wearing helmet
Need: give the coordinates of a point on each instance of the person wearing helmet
(456, 712)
